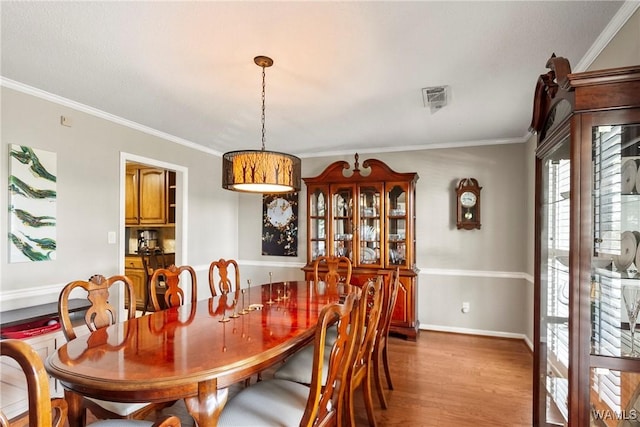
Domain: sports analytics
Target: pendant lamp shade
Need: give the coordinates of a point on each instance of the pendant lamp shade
(261, 171)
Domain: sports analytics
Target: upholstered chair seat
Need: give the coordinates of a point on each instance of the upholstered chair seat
(275, 402)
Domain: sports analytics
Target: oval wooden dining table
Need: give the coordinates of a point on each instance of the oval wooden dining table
(192, 352)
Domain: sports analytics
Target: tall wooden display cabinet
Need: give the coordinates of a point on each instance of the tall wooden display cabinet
(587, 247)
(368, 216)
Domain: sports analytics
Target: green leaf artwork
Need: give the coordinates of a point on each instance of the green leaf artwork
(32, 204)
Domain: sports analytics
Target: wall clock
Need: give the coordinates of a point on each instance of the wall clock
(279, 212)
(468, 204)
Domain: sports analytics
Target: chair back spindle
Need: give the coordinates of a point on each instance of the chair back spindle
(338, 269)
(152, 259)
(222, 282)
(101, 313)
(172, 292)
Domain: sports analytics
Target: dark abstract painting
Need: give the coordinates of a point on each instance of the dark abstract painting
(280, 224)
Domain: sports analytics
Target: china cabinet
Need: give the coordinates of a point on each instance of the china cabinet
(587, 247)
(368, 216)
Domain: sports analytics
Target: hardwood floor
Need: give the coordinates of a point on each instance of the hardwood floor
(457, 380)
(450, 380)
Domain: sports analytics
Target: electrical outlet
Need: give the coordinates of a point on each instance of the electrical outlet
(465, 307)
(65, 121)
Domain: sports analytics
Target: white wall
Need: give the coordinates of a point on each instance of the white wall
(484, 267)
(89, 197)
(624, 49)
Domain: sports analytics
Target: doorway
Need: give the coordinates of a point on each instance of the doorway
(164, 229)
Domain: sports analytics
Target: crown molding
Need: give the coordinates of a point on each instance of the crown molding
(38, 93)
(619, 19)
(434, 146)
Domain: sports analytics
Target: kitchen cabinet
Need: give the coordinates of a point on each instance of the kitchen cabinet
(587, 247)
(149, 196)
(152, 196)
(134, 270)
(369, 217)
(131, 216)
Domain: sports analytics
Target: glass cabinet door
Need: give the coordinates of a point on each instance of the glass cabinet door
(370, 226)
(397, 225)
(343, 224)
(318, 209)
(554, 287)
(615, 282)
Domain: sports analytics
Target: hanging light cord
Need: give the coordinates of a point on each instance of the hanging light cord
(263, 99)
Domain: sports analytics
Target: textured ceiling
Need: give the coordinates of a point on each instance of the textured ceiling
(347, 75)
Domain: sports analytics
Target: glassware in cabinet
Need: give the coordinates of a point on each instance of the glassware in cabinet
(370, 225)
(318, 209)
(343, 224)
(615, 286)
(397, 221)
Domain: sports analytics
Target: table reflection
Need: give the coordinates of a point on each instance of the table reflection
(188, 352)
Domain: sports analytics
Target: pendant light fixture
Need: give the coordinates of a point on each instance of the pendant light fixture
(261, 171)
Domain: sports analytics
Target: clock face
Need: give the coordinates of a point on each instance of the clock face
(468, 199)
(279, 212)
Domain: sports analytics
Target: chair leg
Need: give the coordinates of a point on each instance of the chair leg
(377, 380)
(146, 298)
(368, 401)
(385, 360)
(349, 405)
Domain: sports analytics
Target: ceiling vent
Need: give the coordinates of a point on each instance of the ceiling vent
(435, 97)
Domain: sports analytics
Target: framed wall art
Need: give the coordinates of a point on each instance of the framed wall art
(280, 224)
(32, 204)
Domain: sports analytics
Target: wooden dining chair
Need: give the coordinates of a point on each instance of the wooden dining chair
(152, 259)
(43, 411)
(380, 351)
(332, 269)
(369, 323)
(298, 367)
(47, 412)
(222, 282)
(276, 402)
(99, 315)
(170, 287)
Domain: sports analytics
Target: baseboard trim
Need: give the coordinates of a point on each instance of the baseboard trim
(481, 332)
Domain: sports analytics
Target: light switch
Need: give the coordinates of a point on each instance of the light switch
(465, 307)
(111, 237)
